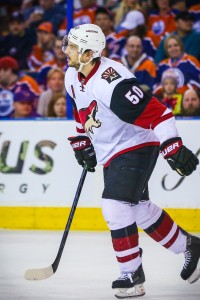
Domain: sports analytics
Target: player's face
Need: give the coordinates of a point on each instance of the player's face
(173, 48)
(71, 52)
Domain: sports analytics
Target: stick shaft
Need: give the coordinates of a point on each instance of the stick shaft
(69, 221)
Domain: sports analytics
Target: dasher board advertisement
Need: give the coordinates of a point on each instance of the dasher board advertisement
(38, 168)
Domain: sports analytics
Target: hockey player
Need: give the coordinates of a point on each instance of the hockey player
(123, 128)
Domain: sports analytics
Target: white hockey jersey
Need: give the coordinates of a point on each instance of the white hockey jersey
(116, 114)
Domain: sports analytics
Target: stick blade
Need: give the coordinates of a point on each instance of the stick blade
(39, 274)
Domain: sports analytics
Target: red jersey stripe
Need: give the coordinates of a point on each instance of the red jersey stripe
(151, 113)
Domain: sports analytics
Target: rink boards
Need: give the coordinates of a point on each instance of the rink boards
(39, 177)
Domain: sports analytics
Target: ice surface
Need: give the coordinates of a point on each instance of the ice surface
(87, 268)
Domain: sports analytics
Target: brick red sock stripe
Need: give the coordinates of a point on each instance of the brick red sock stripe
(128, 257)
(128, 242)
(172, 240)
(158, 233)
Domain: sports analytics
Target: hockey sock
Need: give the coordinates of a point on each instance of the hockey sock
(121, 222)
(161, 227)
(125, 244)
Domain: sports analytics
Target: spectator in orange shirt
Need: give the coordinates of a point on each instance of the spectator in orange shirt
(86, 14)
(43, 50)
(161, 20)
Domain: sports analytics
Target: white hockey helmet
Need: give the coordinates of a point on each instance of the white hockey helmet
(88, 37)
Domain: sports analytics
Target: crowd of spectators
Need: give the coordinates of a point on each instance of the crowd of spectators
(157, 40)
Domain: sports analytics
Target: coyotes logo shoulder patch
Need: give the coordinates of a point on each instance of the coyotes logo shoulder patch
(110, 75)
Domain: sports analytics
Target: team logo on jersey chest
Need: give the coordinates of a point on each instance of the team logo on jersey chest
(88, 117)
(110, 75)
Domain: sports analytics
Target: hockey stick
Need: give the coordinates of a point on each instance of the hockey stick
(39, 274)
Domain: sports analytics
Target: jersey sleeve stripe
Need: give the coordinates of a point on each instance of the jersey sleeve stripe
(160, 120)
(151, 114)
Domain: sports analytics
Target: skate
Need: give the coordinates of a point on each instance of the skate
(130, 285)
(190, 271)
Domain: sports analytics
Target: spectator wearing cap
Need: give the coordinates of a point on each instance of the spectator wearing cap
(10, 78)
(185, 66)
(139, 63)
(42, 52)
(46, 11)
(124, 8)
(19, 42)
(134, 23)
(184, 30)
(23, 103)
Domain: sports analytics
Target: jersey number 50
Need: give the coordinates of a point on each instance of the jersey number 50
(135, 95)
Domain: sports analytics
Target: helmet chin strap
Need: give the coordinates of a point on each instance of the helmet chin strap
(83, 64)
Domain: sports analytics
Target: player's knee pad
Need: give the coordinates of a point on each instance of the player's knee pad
(117, 214)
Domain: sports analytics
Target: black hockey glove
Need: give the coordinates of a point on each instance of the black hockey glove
(84, 151)
(179, 157)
